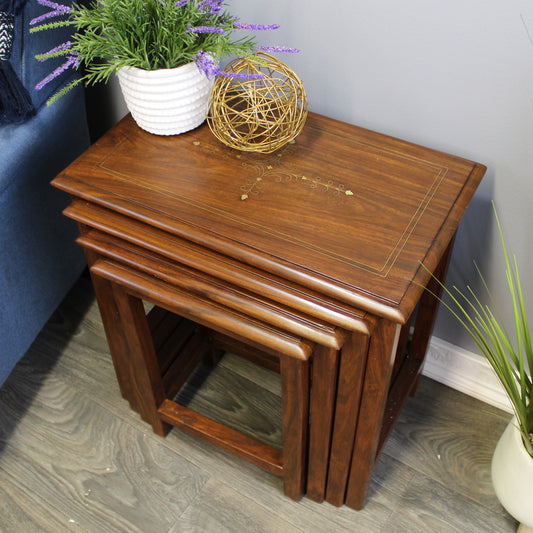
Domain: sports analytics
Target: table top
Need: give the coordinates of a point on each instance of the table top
(342, 210)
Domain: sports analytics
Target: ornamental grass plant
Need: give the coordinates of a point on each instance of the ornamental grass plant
(146, 34)
(509, 353)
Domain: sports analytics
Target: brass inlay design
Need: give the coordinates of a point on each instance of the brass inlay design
(214, 150)
(327, 186)
(382, 270)
(252, 187)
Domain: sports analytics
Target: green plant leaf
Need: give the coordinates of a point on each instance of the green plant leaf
(513, 365)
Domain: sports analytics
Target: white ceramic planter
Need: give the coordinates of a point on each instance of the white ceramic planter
(166, 101)
(512, 476)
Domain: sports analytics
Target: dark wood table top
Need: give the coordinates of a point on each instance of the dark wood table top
(343, 211)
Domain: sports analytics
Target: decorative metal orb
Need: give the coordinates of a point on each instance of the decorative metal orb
(260, 111)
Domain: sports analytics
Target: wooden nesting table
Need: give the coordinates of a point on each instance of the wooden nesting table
(310, 261)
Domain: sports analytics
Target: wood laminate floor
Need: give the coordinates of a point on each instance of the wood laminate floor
(74, 457)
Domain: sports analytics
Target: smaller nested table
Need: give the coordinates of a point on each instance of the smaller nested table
(310, 261)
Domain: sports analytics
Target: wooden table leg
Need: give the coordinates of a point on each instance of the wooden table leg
(382, 349)
(427, 311)
(148, 385)
(323, 395)
(118, 346)
(114, 331)
(295, 398)
(352, 366)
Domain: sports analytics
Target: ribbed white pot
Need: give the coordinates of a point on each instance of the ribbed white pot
(512, 476)
(166, 101)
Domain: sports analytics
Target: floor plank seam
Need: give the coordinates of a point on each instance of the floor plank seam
(38, 411)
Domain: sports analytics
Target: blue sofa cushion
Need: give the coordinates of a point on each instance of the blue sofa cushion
(39, 260)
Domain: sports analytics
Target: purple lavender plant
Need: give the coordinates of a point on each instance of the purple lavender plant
(278, 49)
(260, 27)
(169, 33)
(206, 63)
(54, 52)
(64, 49)
(71, 61)
(56, 10)
(205, 29)
(214, 7)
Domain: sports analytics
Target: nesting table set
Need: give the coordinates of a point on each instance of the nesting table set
(310, 261)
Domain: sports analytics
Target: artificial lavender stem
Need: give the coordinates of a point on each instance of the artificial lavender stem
(54, 5)
(58, 71)
(205, 29)
(55, 51)
(278, 49)
(261, 27)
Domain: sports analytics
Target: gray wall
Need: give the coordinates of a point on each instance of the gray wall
(455, 76)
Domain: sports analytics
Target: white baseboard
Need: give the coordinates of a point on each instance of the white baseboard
(464, 371)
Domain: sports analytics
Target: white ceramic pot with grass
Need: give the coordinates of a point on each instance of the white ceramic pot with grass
(166, 101)
(512, 477)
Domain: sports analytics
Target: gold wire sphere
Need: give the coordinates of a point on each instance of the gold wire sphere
(257, 114)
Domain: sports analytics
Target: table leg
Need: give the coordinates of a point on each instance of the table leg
(376, 384)
(114, 331)
(427, 311)
(147, 382)
(352, 366)
(295, 398)
(118, 345)
(323, 393)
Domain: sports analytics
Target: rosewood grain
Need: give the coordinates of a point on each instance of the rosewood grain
(310, 261)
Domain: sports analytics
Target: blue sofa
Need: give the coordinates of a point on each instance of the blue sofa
(39, 261)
